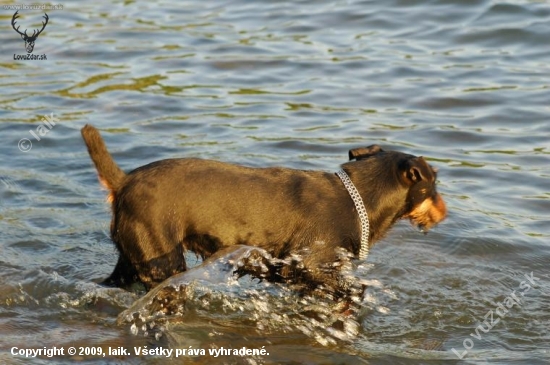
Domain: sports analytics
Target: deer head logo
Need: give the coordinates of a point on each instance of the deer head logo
(29, 40)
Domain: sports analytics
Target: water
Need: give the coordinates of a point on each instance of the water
(297, 84)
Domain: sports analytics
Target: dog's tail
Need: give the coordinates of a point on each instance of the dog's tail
(110, 175)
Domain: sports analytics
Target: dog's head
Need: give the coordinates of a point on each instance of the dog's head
(424, 206)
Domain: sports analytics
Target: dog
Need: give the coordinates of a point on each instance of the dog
(165, 208)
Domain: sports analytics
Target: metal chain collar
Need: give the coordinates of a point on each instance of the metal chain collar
(363, 216)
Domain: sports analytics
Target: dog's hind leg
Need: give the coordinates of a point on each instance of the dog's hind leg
(150, 273)
(123, 276)
(156, 270)
(148, 254)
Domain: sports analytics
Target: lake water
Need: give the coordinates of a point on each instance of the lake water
(295, 84)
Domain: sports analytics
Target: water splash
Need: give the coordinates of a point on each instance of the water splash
(214, 287)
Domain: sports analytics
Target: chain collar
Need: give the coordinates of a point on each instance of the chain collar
(363, 216)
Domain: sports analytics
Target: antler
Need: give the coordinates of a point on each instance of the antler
(15, 16)
(34, 34)
(43, 26)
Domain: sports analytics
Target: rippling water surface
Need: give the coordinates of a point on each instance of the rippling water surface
(297, 84)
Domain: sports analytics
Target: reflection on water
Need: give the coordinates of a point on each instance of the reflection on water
(295, 84)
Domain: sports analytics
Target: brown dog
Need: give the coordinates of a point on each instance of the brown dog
(162, 209)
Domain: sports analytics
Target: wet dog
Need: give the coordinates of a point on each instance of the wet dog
(167, 207)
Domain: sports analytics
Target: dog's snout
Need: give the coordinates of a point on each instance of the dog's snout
(429, 213)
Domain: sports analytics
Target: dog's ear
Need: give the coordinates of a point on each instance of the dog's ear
(417, 169)
(364, 152)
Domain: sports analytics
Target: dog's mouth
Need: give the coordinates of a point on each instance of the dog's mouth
(422, 229)
(428, 213)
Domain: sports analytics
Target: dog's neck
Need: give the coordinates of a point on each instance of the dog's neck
(383, 196)
(361, 211)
